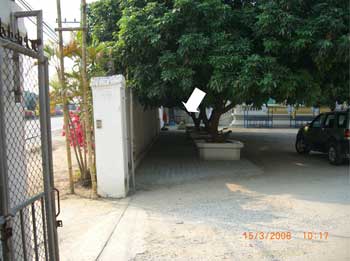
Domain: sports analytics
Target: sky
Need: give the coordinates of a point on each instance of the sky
(70, 10)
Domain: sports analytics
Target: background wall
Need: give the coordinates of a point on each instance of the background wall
(146, 128)
(6, 7)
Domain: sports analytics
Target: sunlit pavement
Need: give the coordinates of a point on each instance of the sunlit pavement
(187, 209)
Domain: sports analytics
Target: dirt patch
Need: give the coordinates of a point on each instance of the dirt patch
(60, 168)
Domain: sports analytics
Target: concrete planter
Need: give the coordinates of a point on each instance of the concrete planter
(231, 150)
(199, 135)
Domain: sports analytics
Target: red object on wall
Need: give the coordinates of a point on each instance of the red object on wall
(165, 117)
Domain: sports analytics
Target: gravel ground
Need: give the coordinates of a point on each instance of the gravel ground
(272, 189)
(187, 209)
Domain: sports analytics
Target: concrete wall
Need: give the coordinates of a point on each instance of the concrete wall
(6, 7)
(110, 136)
(124, 132)
(146, 129)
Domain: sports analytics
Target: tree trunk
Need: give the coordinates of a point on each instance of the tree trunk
(196, 121)
(204, 118)
(68, 149)
(213, 125)
(86, 111)
(65, 102)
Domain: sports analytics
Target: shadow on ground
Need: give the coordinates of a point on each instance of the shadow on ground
(173, 160)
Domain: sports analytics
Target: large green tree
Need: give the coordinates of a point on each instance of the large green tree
(167, 48)
(102, 18)
(235, 51)
(309, 42)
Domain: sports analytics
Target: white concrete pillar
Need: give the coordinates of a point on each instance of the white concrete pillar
(111, 134)
(160, 115)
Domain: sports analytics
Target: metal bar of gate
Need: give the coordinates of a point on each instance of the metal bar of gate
(35, 236)
(22, 205)
(4, 208)
(23, 235)
(45, 143)
(18, 48)
(49, 144)
(42, 204)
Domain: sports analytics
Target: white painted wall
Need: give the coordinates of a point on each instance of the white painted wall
(110, 138)
(116, 144)
(146, 129)
(6, 7)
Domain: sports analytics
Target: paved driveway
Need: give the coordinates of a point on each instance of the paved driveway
(308, 177)
(264, 207)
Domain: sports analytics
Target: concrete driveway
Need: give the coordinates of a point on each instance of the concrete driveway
(308, 177)
(271, 205)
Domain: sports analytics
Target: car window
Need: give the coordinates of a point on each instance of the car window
(330, 120)
(318, 121)
(342, 121)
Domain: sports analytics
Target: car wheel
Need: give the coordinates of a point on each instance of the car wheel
(334, 155)
(300, 146)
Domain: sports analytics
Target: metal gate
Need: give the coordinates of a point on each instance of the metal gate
(27, 196)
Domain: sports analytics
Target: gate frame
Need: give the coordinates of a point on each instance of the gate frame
(46, 145)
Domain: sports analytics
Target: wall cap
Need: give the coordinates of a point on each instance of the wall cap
(107, 81)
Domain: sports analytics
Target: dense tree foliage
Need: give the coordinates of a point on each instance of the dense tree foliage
(309, 41)
(235, 51)
(102, 20)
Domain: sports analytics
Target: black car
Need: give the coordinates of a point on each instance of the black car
(329, 133)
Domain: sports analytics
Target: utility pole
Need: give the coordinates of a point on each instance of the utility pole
(65, 100)
(85, 90)
(86, 112)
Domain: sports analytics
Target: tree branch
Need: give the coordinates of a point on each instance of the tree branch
(229, 107)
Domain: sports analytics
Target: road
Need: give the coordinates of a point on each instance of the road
(56, 124)
(33, 126)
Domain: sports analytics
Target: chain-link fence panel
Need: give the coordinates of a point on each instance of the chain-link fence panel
(25, 235)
